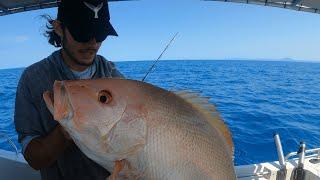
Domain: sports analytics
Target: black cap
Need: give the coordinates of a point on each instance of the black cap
(86, 19)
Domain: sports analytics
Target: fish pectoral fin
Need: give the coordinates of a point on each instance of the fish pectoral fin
(118, 166)
(123, 170)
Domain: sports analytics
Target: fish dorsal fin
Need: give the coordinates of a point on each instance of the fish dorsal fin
(209, 110)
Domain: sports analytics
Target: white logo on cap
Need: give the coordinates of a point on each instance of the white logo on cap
(94, 8)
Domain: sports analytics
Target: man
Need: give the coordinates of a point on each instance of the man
(81, 27)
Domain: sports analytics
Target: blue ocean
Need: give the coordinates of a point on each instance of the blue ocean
(255, 98)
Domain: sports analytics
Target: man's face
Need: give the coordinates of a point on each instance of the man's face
(81, 53)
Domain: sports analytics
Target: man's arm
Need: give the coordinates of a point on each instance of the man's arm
(115, 72)
(41, 152)
(111, 68)
(39, 148)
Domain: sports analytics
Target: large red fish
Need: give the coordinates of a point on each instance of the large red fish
(140, 131)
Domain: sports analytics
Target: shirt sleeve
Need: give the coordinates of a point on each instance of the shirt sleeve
(26, 115)
(115, 72)
(25, 141)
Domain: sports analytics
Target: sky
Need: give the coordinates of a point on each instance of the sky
(207, 31)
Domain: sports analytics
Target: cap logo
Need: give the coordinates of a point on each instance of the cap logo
(94, 8)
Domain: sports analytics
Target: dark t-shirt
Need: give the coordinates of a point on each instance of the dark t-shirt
(33, 119)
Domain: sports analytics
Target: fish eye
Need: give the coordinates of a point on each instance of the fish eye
(105, 97)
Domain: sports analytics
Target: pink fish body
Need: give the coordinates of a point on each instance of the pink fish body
(140, 131)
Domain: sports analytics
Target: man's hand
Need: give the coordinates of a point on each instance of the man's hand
(41, 152)
(65, 133)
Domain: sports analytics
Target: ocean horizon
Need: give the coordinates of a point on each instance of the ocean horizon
(231, 59)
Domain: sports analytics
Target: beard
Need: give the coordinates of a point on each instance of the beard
(66, 47)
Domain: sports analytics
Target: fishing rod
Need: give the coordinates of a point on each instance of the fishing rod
(150, 69)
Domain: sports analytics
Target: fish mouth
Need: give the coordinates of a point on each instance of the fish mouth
(58, 102)
(49, 100)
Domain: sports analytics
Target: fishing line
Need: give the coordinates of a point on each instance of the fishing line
(150, 69)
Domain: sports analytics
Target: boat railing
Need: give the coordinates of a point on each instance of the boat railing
(302, 153)
(309, 153)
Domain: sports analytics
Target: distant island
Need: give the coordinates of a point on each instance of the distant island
(266, 59)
